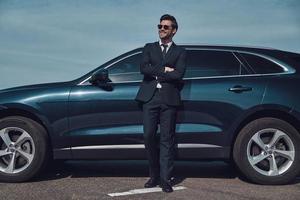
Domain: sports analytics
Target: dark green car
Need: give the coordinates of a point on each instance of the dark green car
(239, 103)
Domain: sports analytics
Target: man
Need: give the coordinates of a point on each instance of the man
(163, 67)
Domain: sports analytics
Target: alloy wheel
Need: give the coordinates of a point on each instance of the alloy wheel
(17, 150)
(270, 152)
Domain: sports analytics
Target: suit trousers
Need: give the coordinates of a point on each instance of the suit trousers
(160, 152)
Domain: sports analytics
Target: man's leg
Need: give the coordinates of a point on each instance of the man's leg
(150, 121)
(167, 141)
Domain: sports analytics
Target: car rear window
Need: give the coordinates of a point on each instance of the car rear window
(295, 58)
(261, 65)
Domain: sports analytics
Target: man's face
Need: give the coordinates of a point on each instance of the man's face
(166, 31)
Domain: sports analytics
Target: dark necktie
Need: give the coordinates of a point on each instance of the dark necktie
(164, 53)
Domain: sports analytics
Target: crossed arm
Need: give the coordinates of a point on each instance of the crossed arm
(164, 73)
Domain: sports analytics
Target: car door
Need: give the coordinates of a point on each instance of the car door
(107, 123)
(218, 90)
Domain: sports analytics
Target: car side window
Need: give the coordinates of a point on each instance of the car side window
(208, 63)
(127, 69)
(261, 65)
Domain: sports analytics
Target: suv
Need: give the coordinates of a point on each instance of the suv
(239, 104)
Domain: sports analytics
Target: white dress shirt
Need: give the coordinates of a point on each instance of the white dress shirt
(168, 47)
(162, 48)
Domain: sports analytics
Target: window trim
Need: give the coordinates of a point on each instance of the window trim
(286, 68)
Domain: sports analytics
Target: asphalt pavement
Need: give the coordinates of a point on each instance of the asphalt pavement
(91, 180)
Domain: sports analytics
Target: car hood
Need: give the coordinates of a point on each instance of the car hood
(36, 86)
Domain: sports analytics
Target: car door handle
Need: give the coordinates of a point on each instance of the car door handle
(239, 89)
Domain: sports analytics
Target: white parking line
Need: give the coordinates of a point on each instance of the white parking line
(143, 191)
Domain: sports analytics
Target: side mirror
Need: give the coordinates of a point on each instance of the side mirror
(100, 77)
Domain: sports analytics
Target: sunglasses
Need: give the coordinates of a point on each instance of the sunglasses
(166, 27)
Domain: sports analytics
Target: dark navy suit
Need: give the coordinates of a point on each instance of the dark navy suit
(159, 104)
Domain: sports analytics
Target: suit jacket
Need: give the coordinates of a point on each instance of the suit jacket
(152, 66)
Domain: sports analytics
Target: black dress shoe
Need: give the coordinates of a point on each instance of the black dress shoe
(172, 181)
(166, 187)
(152, 182)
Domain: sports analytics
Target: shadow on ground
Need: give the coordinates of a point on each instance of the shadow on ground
(134, 168)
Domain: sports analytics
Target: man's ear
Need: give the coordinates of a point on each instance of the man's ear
(174, 31)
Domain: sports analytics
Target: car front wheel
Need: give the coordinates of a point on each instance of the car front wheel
(23, 148)
(266, 151)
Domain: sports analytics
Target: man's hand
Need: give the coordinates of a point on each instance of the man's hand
(169, 69)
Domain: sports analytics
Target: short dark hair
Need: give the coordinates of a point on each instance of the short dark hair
(171, 18)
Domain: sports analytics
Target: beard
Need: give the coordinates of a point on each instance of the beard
(164, 35)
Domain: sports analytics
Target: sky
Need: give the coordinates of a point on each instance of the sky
(60, 40)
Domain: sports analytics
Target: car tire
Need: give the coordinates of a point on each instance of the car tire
(267, 151)
(24, 149)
